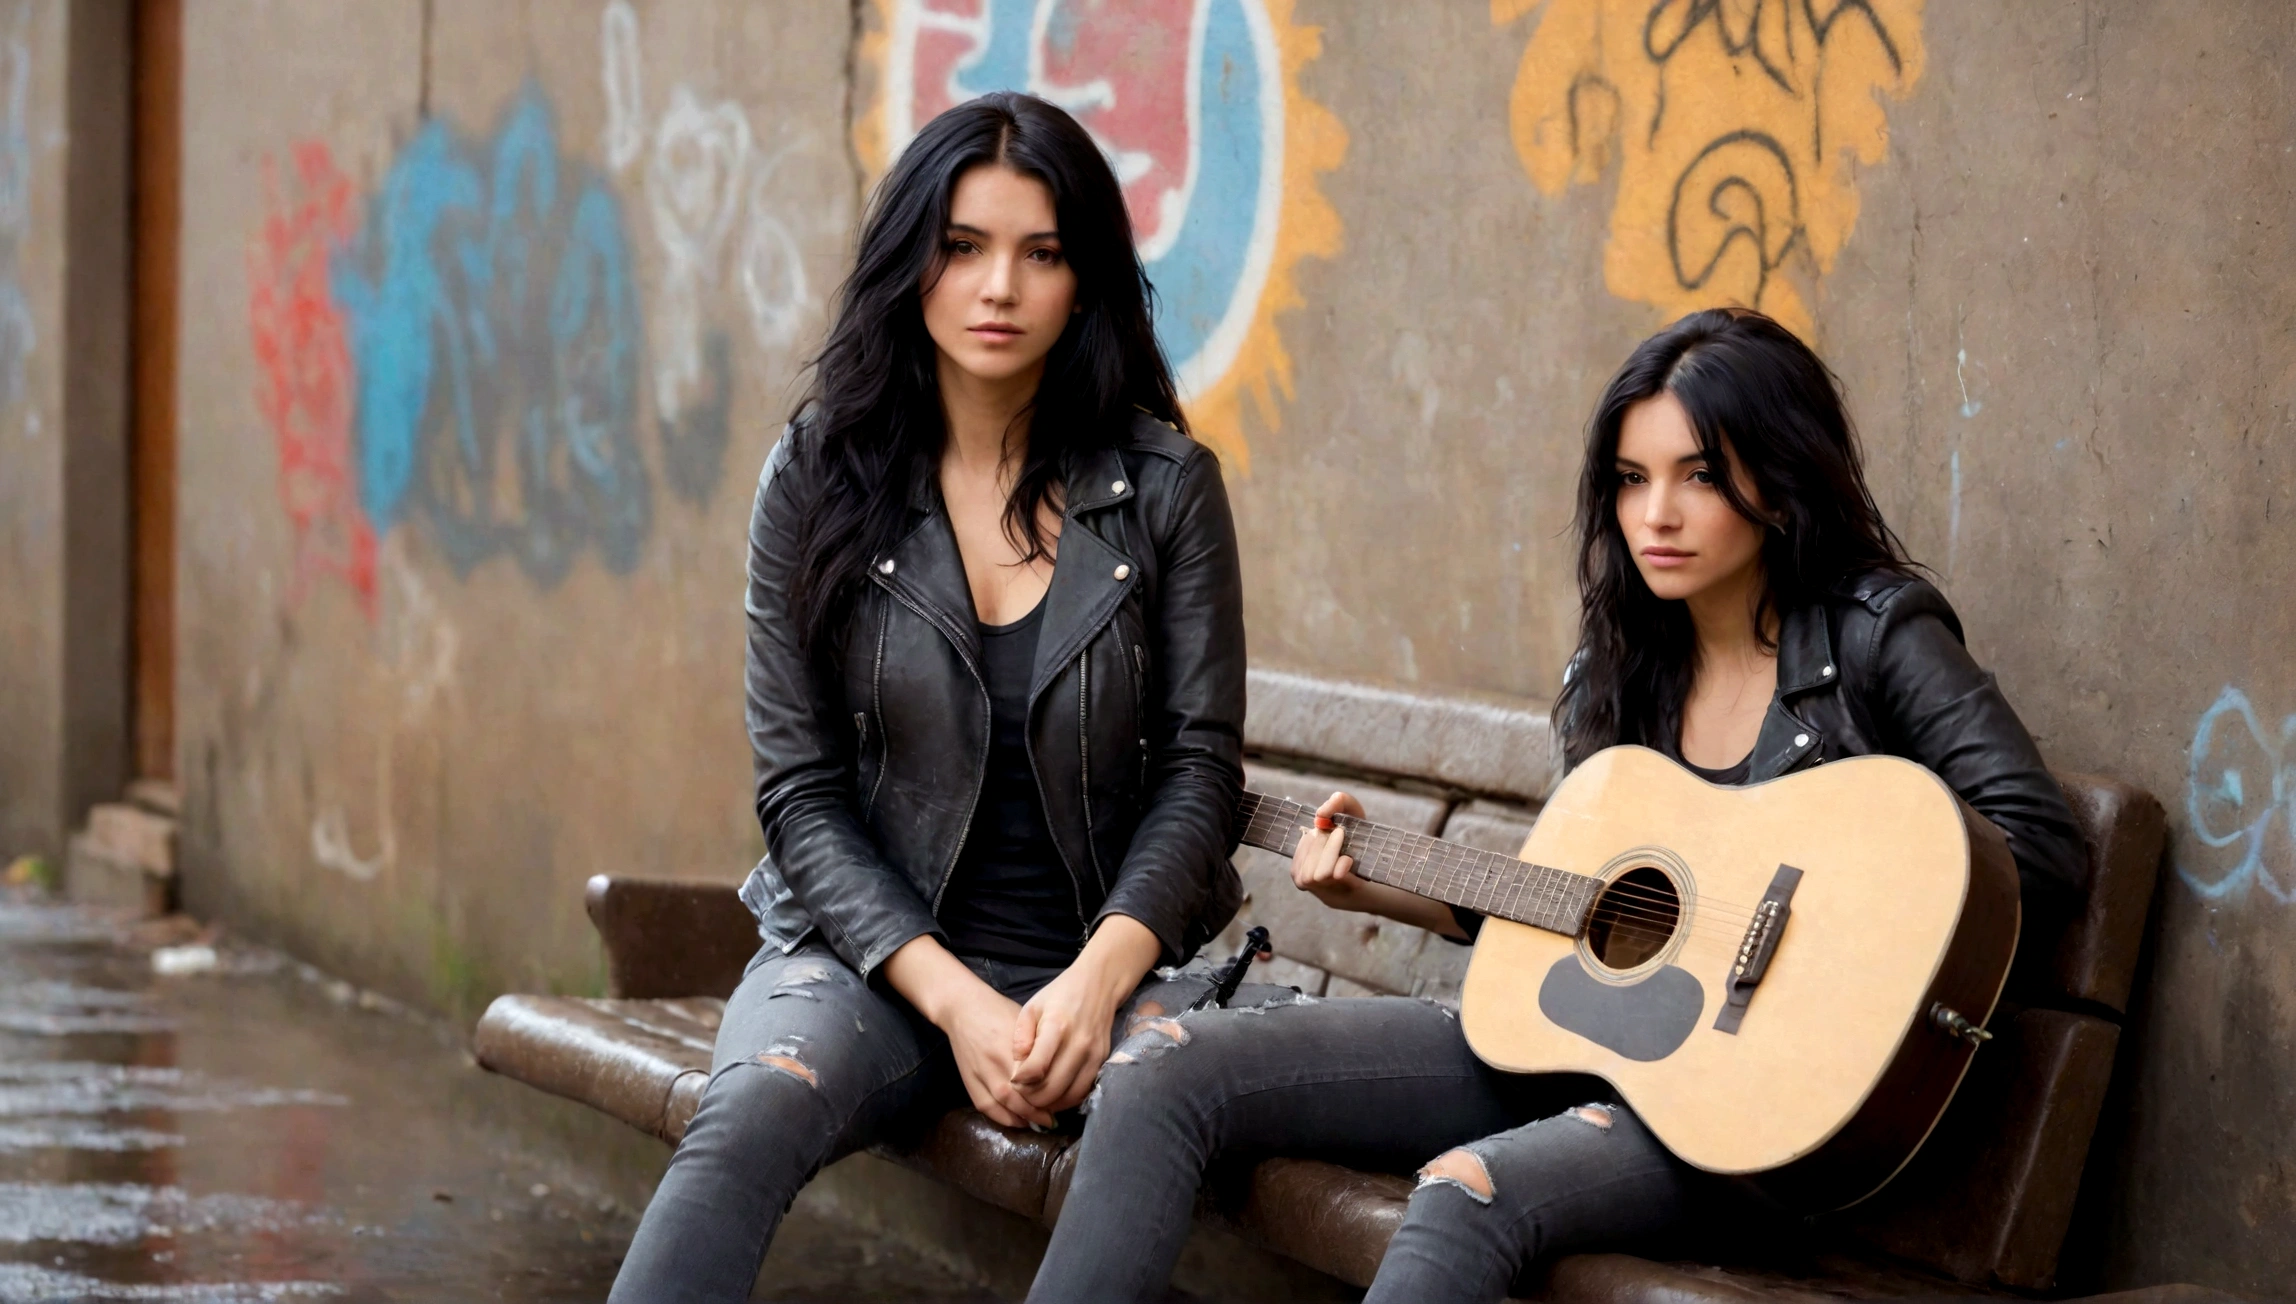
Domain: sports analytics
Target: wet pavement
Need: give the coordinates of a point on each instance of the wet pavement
(255, 1130)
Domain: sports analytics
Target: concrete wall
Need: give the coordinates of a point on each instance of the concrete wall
(64, 493)
(475, 393)
(461, 551)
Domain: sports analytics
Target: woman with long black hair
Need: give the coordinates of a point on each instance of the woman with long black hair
(1745, 610)
(995, 691)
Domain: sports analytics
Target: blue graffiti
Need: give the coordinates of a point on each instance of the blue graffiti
(18, 336)
(495, 328)
(2238, 778)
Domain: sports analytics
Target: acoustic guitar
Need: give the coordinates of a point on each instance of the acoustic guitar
(1785, 981)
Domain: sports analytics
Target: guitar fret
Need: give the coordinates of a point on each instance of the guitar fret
(1479, 880)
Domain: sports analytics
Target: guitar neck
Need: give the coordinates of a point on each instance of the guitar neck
(1483, 881)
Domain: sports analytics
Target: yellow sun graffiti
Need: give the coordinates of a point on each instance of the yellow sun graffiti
(1736, 127)
(1198, 106)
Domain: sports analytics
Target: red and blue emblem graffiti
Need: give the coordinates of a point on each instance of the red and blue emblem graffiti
(1185, 96)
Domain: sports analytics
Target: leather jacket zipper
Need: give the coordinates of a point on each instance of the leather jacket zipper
(876, 705)
(1140, 711)
(1084, 767)
(980, 771)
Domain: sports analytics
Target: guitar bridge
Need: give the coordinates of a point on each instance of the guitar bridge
(1756, 948)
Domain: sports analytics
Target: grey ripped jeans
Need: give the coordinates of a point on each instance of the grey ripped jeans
(1383, 1082)
(811, 1064)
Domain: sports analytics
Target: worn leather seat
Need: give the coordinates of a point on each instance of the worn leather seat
(1984, 1206)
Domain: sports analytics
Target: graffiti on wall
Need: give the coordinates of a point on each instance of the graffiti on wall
(1197, 104)
(496, 332)
(726, 211)
(1735, 129)
(17, 336)
(2240, 796)
(303, 366)
(466, 349)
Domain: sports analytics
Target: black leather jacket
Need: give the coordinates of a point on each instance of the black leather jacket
(1880, 666)
(868, 769)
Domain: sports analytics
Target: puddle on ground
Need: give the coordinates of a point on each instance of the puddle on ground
(244, 1134)
(262, 1132)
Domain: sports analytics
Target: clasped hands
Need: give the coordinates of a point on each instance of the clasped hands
(1023, 1063)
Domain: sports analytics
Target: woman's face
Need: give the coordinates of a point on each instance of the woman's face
(1685, 536)
(1005, 291)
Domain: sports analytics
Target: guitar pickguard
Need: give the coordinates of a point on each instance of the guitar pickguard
(1644, 1021)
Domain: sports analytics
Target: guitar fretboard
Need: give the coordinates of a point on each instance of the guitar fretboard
(1484, 881)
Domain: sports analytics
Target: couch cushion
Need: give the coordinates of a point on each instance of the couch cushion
(643, 1062)
(1010, 1168)
(1333, 1219)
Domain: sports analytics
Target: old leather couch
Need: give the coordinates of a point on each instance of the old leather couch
(1984, 1206)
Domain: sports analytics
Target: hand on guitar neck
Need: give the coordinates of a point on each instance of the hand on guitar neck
(1321, 867)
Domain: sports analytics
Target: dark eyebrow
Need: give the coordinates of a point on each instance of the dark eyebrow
(1033, 237)
(1685, 460)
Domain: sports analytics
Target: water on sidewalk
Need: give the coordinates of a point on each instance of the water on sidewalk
(255, 1131)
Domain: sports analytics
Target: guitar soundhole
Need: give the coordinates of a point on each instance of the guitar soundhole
(1634, 918)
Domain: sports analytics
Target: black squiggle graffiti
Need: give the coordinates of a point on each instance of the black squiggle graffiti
(1727, 160)
(1745, 179)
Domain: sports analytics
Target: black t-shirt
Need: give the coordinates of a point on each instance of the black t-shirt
(1731, 777)
(1011, 897)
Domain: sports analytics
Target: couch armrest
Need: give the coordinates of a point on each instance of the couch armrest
(666, 939)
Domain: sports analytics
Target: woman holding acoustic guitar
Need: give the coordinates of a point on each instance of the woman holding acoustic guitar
(1744, 611)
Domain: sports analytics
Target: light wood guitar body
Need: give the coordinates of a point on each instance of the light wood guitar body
(1645, 897)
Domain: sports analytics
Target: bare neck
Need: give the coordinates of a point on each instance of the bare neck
(1723, 616)
(988, 426)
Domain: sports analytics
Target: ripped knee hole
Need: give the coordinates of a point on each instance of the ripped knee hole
(1596, 1116)
(799, 978)
(784, 1059)
(1162, 1025)
(1462, 1168)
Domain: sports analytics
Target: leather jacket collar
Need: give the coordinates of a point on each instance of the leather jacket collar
(1089, 578)
(1805, 665)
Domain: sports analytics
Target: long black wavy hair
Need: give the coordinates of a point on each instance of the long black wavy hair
(872, 416)
(1756, 396)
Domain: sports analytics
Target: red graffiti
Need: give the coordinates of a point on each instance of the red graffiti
(1121, 66)
(306, 385)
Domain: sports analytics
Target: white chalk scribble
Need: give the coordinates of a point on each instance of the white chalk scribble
(693, 190)
(772, 263)
(727, 211)
(625, 85)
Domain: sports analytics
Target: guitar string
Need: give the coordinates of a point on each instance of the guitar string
(1453, 865)
(1659, 927)
(1360, 828)
(1656, 910)
(1507, 902)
